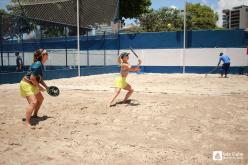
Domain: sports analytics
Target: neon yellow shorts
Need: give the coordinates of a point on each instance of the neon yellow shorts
(27, 89)
(120, 82)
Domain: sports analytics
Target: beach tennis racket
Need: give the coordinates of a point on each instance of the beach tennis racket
(136, 56)
(134, 52)
(53, 91)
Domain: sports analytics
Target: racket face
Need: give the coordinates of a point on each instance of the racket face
(53, 91)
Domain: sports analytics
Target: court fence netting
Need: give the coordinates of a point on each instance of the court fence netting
(53, 25)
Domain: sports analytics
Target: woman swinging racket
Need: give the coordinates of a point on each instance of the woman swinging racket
(120, 82)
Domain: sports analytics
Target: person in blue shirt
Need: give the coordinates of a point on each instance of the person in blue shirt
(32, 84)
(226, 64)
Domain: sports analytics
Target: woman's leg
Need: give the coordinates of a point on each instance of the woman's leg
(117, 92)
(31, 107)
(129, 93)
(40, 99)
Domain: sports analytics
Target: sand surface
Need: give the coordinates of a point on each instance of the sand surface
(173, 119)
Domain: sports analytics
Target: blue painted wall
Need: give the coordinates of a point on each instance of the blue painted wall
(192, 69)
(56, 74)
(195, 39)
(67, 73)
(109, 42)
(160, 40)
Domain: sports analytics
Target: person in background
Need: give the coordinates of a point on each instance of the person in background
(226, 64)
(19, 62)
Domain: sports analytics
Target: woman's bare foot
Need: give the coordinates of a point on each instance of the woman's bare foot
(28, 124)
(111, 104)
(34, 116)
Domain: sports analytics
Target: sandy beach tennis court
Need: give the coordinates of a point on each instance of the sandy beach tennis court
(172, 119)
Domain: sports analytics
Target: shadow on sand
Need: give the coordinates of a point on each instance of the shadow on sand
(35, 120)
(128, 103)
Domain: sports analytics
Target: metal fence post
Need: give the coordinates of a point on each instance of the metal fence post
(104, 37)
(1, 38)
(88, 57)
(23, 56)
(8, 61)
(66, 55)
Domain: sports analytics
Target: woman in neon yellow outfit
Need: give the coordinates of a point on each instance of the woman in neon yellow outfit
(120, 82)
(32, 85)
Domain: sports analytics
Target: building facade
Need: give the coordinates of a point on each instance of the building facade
(236, 18)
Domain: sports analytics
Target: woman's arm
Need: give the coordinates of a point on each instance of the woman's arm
(34, 80)
(36, 83)
(42, 82)
(134, 69)
(129, 68)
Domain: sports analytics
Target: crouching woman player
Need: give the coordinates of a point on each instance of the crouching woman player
(32, 84)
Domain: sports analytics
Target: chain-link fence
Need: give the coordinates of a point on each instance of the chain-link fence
(46, 24)
(99, 47)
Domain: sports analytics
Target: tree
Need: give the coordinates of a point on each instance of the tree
(6, 24)
(22, 24)
(2, 11)
(163, 19)
(18, 23)
(133, 9)
(199, 17)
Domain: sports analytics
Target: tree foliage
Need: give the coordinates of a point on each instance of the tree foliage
(2, 11)
(164, 19)
(199, 17)
(133, 9)
(6, 24)
(22, 24)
